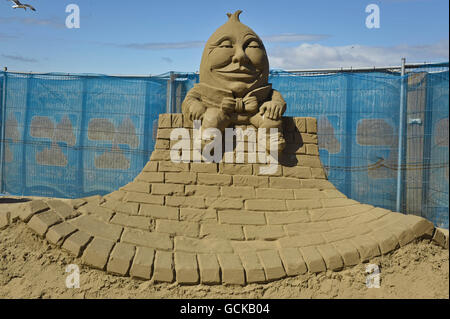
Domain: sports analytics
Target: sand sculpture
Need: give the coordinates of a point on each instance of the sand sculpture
(226, 223)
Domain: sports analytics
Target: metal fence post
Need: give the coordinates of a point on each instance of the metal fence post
(401, 128)
(3, 135)
(170, 92)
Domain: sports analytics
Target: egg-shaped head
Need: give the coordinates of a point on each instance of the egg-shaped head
(234, 58)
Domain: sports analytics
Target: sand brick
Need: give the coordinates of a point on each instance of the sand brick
(77, 242)
(162, 144)
(204, 167)
(385, 240)
(300, 123)
(120, 259)
(181, 178)
(164, 268)
(313, 259)
(214, 179)
(275, 218)
(254, 181)
(300, 204)
(64, 210)
(232, 269)
(301, 241)
(150, 167)
(202, 191)
(142, 266)
(165, 120)
(198, 215)
(238, 192)
(169, 166)
(144, 198)
(272, 265)
(41, 222)
(188, 229)
(293, 261)
(209, 269)
(177, 120)
(308, 138)
(186, 201)
(167, 189)
(318, 173)
(271, 232)
(31, 208)
(97, 228)
(131, 221)
(151, 177)
(224, 203)
(284, 182)
(157, 211)
(254, 270)
(331, 256)
(274, 193)
(203, 246)
(348, 252)
(147, 239)
(366, 246)
(265, 204)
(232, 232)
(186, 268)
(235, 169)
(58, 233)
(241, 217)
(97, 252)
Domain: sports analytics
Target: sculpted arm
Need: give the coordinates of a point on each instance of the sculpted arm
(192, 106)
(274, 108)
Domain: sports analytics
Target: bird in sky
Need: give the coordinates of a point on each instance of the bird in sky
(20, 5)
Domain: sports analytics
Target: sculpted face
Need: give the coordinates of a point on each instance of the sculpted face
(234, 58)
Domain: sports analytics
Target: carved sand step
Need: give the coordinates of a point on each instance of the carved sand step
(222, 223)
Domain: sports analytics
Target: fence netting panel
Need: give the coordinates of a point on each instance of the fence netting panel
(78, 135)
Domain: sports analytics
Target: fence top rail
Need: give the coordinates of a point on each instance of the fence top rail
(273, 71)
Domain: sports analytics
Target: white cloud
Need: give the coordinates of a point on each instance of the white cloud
(308, 55)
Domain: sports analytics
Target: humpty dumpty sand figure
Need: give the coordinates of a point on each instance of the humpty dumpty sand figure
(233, 87)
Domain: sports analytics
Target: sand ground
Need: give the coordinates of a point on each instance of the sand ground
(32, 268)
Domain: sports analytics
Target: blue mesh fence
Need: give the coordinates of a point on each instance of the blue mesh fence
(77, 135)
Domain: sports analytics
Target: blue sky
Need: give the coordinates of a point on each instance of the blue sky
(153, 37)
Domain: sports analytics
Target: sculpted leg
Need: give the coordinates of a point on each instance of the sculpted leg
(215, 118)
(259, 122)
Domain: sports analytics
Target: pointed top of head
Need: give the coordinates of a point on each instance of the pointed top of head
(234, 16)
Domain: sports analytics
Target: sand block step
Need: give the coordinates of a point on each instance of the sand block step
(164, 267)
(209, 269)
(41, 222)
(30, 208)
(120, 260)
(97, 252)
(232, 270)
(58, 233)
(77, 242)
(142, 266)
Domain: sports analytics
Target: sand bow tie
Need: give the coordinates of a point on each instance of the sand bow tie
(248, 104)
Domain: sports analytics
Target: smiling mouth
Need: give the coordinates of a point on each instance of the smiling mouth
(237, 74)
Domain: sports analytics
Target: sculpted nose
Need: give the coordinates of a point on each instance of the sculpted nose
(240, 56)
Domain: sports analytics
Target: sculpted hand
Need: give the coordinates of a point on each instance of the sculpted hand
(197, 110)
(272, 110)
(227, 105)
